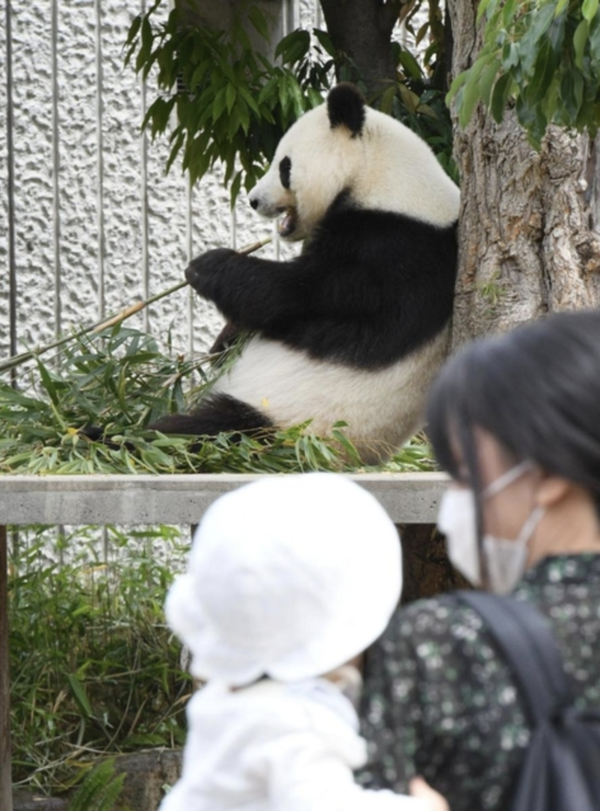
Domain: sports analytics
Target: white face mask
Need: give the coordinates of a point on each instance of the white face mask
(506, 560)
(457, 520)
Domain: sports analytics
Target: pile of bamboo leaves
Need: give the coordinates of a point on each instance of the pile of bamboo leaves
(119, 381)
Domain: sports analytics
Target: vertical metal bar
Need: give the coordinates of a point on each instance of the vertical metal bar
(5, 748)
(144, 203)
(10, 159)
(56, 172)
(291, 14)
(189, 233)
(233, 221)
(317, 14)
(105, 545)
(100, 161)
(60, 538)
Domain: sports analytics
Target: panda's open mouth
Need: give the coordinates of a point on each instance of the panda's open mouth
(287, 224)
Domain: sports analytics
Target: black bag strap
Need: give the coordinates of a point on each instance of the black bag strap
(525, 640)
(562, 768)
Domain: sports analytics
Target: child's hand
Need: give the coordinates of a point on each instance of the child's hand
(419, 788)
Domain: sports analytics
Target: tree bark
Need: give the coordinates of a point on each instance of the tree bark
(529, 227)
(362, 29)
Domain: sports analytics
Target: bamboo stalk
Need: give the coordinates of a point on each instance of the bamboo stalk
(17, 360)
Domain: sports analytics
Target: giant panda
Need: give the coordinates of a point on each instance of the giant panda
(355, 327)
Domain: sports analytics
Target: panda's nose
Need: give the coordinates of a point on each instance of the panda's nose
(254, 203)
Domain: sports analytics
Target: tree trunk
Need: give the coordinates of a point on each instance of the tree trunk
(528, 234)
(362, 29)
(426, 570)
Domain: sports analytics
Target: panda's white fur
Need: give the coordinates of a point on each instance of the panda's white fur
(356, 327)
(382, 408)
(389, 168)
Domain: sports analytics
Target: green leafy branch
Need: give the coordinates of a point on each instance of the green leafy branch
(223, 102)
(232, 105)
(541, 55)
(417, 101)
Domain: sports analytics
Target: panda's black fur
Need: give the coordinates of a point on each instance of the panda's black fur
(339, 299)
(370, 288)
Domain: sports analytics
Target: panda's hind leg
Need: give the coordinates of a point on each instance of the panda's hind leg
(218, 413)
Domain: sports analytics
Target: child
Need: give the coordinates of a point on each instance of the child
(289, 578)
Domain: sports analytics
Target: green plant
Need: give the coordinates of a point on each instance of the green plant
(419, 97)
(492, 291)
(231, 103)
(99, 790)
(421, 106)
(93, 668)
(541, 55)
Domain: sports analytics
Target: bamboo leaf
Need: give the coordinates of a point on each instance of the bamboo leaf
(540, 23)
(456, 85)
(488, 77)
(500, 95)
(571, 91)
(258, 20)
(80, 695)
(483, 7)
(410, 64)
(508, 12)
(580, 38)
(325, 41)
(293, 47)
(230, 97)
(219, 105)
(589, 9)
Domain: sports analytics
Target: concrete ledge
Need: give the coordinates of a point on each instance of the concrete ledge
(409, 498)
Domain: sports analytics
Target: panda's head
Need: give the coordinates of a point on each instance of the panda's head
(315, 160)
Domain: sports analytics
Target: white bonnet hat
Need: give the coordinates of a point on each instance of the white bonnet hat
(290, 577)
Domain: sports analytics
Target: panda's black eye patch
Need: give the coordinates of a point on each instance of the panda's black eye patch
(285, 169)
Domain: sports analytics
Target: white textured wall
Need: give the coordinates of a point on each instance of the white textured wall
(86, 244)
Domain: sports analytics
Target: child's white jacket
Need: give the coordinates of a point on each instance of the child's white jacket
(275, 747)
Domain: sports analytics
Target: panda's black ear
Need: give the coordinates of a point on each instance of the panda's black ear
(346, 107)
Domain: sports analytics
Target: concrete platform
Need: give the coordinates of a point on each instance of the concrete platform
(409, 498)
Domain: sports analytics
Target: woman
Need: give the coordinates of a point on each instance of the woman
(515, 421)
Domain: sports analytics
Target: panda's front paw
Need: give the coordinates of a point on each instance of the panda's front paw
(202, 269)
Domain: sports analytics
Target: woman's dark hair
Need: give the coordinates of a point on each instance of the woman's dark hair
(536, 390)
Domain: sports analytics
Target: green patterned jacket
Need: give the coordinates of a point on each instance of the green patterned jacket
(439, 700)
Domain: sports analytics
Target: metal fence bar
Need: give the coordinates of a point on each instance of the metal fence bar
(290, 15)
(189, 249)
(10, 187)
(317, 14)
(56, 172)
(6, 802)
(43, 229)
(144, 202)
(100, 161)
(233, 236)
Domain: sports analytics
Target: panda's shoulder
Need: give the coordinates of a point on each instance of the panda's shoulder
(382, 231)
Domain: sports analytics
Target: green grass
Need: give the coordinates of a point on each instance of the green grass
(93, 668)
(120, 381)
